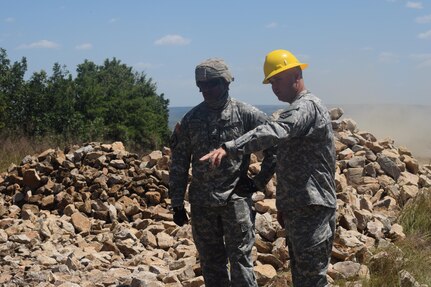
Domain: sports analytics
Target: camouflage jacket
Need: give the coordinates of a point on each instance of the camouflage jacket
(202, 130)
(305, 155)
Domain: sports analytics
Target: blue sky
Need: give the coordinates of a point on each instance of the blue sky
(367, 51)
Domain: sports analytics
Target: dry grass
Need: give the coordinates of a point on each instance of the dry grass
(412, 254)
(14, 149)
(416, 221)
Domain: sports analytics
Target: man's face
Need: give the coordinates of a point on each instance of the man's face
(212, 89)
(283, 85)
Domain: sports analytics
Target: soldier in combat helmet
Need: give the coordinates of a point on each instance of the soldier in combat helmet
(220, 199)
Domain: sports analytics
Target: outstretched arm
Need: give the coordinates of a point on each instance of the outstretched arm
(215, 156)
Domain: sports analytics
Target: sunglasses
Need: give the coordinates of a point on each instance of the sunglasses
(208, 84)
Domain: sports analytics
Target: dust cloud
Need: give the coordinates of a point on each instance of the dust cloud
(407, 125)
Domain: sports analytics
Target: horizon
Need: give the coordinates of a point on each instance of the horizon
(406, 125)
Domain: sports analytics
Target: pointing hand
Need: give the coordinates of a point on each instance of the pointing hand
(215, 156)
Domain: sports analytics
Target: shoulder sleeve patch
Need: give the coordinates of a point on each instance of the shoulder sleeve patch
(288, 113)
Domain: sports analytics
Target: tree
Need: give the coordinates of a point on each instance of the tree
(106, 102)
(35, 106)
(124, 102)
(12, 87)
(61, 94)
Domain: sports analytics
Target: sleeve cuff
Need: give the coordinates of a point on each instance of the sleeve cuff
(230, 147)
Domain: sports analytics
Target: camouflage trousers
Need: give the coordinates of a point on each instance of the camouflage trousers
(310, 234)
(224, 237)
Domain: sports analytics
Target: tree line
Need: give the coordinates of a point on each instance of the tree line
(102, 102)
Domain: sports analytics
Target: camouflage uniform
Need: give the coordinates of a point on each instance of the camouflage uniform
(305, 182)
(221, 215)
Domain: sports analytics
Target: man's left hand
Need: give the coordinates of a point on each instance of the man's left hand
(215, 156)
(246, 184)
(180, 215)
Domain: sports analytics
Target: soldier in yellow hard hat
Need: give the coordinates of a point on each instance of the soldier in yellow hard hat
(278, 61)
(305, 198)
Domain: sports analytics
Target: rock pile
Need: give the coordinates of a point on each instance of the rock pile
(98, 215)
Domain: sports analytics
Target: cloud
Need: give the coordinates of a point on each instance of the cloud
(425, 35)
(423, 59)
(414, 5)
(84, 46)
(423, 19)
(172, 40)
(271, 25)
(42, 44)
(113, 20)
(388, 57)
(9, 19)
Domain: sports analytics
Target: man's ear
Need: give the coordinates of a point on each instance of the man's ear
(297, 81)
(298, 76)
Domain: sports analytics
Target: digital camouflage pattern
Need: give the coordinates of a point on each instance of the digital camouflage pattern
(212, 68)
(305, 182)
(221, 217)
(311, 231)
(306, 153)
(235, 222)
(202, 130)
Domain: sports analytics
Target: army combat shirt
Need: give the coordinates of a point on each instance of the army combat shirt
(305, 156)
(202, 130)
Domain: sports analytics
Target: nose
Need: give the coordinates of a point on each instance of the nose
(207, 85)
(203, 89)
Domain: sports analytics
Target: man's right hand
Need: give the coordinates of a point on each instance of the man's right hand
(180, 215)
(215, 156)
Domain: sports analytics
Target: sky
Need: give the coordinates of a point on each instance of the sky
(359, 52)
(370, 57)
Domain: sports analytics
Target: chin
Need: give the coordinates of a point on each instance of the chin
(281, 98)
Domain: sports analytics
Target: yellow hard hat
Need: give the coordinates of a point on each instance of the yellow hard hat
(278, 61)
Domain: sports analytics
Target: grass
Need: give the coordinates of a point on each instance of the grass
(14, 148)
(415, 217)
(416, 221)
(412, 254)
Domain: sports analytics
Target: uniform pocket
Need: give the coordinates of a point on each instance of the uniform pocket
(231, 130)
